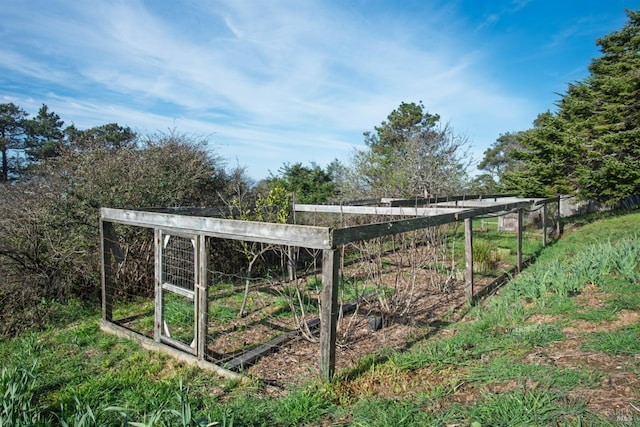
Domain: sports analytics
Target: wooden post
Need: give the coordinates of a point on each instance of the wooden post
(157, 328)
(520, 227)
(107, 237)
(468, 256)
(328, 313)
(544, 225)
(201, 297)
(558, 227)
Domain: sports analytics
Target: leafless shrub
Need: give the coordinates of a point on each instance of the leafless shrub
(396, 268)
(49, 222)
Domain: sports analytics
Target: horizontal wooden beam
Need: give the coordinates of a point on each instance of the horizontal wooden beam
(547, 200)
(253, 231)
(217, 212)
(362, 202)
(503, 207)
(374, 210)
(304, 235)
(417, 201)
(343, 236)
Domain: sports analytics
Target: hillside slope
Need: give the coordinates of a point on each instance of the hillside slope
(558, 345)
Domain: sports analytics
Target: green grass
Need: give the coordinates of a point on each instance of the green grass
(597, 314)
(504, 368)
(391, 413)
(476, 372)
(626, 340)
(222, 314)
(521, 407)
(178, 314)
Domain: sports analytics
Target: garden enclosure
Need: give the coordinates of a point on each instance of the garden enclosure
(222, 293)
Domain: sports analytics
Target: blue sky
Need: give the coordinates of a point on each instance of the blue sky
(269, 82)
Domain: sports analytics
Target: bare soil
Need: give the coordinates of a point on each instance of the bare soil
(296, 362)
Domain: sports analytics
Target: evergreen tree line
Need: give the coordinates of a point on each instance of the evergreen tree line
(588, 147)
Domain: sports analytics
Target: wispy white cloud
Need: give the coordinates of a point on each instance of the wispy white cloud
(272, 82)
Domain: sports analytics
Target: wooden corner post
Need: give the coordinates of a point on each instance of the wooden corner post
(468, 257)
(329, 313)
(520, 228)
(157, 329)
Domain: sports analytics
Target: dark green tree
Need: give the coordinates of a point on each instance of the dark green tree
(590, 147)
(111, 136)
(309, 184)
(499, 158)
(603, 114)
(45, 135)
(12, 132)
(483, 184)
(550, 154)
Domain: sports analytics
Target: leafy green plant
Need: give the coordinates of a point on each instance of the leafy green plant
(485, 255)
(83, 416)
(626, 258)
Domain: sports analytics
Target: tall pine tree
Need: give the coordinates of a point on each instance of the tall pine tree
(550, 156)
(603, 114)
(12, 130)
(591, 146)
(44, 135)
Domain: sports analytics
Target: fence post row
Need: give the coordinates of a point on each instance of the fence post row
(202, 300)
(158, 315)
(544, 225)
(110, 250)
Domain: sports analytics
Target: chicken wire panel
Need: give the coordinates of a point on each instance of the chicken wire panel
(178, 261)
(130, 296)
(178, 277)
(259, 297)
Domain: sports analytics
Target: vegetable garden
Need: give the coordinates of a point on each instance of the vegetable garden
(283, 301)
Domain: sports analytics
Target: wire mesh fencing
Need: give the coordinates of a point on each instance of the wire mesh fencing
(129, 301)
(232, 293)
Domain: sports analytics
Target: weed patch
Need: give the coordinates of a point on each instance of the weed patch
(522, 408)
(614, 343)
(503, 369)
